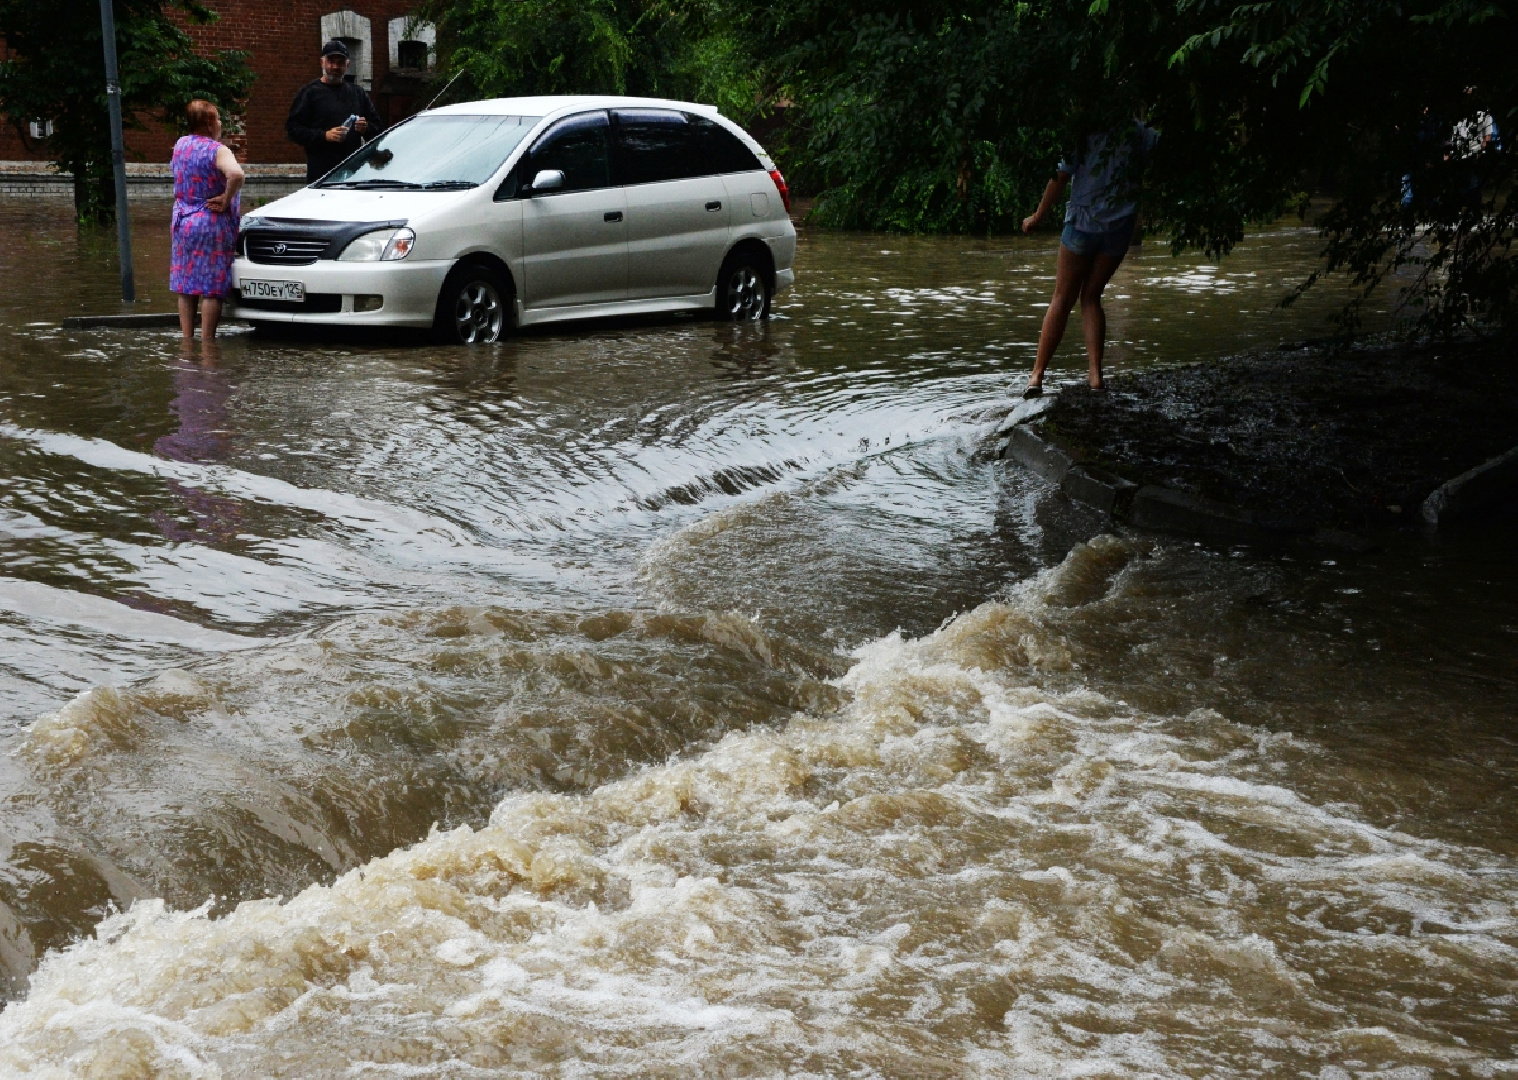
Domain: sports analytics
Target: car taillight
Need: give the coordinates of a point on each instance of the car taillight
(785, 192)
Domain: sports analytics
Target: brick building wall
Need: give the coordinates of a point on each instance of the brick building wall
(283, 39)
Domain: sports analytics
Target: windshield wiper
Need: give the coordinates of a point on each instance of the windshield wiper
(448, 185)
(396, 185)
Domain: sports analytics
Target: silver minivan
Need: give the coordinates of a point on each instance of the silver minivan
(475, 218)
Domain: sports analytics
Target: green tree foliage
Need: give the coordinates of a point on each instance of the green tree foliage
(918, 116)
(949, 115)
(1388, 107)
(54, 69)
(662, 48)
(931, 116)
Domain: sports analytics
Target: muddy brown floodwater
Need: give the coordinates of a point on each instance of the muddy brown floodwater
(670, 698)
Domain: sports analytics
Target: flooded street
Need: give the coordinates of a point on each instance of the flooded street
(668, 697)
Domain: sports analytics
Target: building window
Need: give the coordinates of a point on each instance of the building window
(40, 129)
(411, 54)
(352, 29)
(413, 44)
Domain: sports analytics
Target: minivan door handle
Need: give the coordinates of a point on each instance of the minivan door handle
(714, 206)
(613, 215)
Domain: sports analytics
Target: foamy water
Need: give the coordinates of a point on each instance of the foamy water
(952, 873)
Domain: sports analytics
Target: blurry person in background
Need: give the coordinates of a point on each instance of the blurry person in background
(331, 117)
(203, 229)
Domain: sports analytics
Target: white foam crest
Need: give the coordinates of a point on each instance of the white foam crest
(958, 872)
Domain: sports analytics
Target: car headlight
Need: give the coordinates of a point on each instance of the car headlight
(382, 245)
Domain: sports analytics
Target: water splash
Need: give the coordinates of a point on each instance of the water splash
(955, 871)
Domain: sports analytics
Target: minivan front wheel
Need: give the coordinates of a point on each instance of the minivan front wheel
(472, 309)
(743, 292)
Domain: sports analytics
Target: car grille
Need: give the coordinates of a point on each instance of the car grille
(313, 304)
(286, 251)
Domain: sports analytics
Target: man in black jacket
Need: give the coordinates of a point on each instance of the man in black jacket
(318, 118)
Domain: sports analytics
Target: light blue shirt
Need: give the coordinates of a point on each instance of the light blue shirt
(1101, 194)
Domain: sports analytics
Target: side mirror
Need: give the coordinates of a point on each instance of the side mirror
(548, 180)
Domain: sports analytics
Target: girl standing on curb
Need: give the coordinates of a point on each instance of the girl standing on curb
(1100, 222)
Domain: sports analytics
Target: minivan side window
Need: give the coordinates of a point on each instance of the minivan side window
(655, 145)
(722, 151)
(579, 146)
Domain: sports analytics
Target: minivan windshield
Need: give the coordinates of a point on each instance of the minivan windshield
(433, 153)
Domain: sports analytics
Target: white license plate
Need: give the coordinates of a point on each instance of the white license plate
(273, 290)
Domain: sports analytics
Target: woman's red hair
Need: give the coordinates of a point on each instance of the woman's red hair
(203, 117)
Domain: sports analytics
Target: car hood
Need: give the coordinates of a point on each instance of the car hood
(336, 204)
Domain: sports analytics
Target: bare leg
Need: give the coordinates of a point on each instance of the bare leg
(210, 315)
(1070, 271)
(186, 316)
(1093, 318)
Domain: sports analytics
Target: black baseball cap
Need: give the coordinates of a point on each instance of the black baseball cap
(335, 46)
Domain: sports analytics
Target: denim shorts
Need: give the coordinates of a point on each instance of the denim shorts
(1113, 242)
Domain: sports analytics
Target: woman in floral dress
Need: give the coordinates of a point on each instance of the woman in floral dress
(206, 209)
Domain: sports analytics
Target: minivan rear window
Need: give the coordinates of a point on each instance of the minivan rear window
(724, 151)
(661, 144)
(436, 152)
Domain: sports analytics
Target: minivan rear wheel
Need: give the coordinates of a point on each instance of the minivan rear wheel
(473, 307)
(743, 292)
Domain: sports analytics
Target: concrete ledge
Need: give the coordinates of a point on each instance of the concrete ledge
(1165, 509)
(1046, 459)
(1174, 511)
(1490, 487)
(145, 180)
(1049, 461)
(95, 322)
(1109, 494)
(50, 187)
(145, 320)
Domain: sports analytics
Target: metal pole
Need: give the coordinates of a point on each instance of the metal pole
(118, 151)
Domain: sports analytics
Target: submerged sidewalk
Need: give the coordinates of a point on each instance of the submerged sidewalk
(1301, 442)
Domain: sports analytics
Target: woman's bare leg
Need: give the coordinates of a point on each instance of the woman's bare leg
(1093, 318)
(1070, 271)
(210, 315)
(186, 316)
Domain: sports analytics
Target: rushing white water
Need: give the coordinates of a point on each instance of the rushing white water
(953, 873)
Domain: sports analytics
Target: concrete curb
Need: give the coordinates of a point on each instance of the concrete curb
(1051, 462)
(144, 320)
(145, 180)
(1110, 494)
(97, 322)
(1476, 491)
(1047, 459)
(1175, 511)
(1153, 506)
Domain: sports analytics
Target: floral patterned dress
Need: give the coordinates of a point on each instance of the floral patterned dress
(204, 241)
